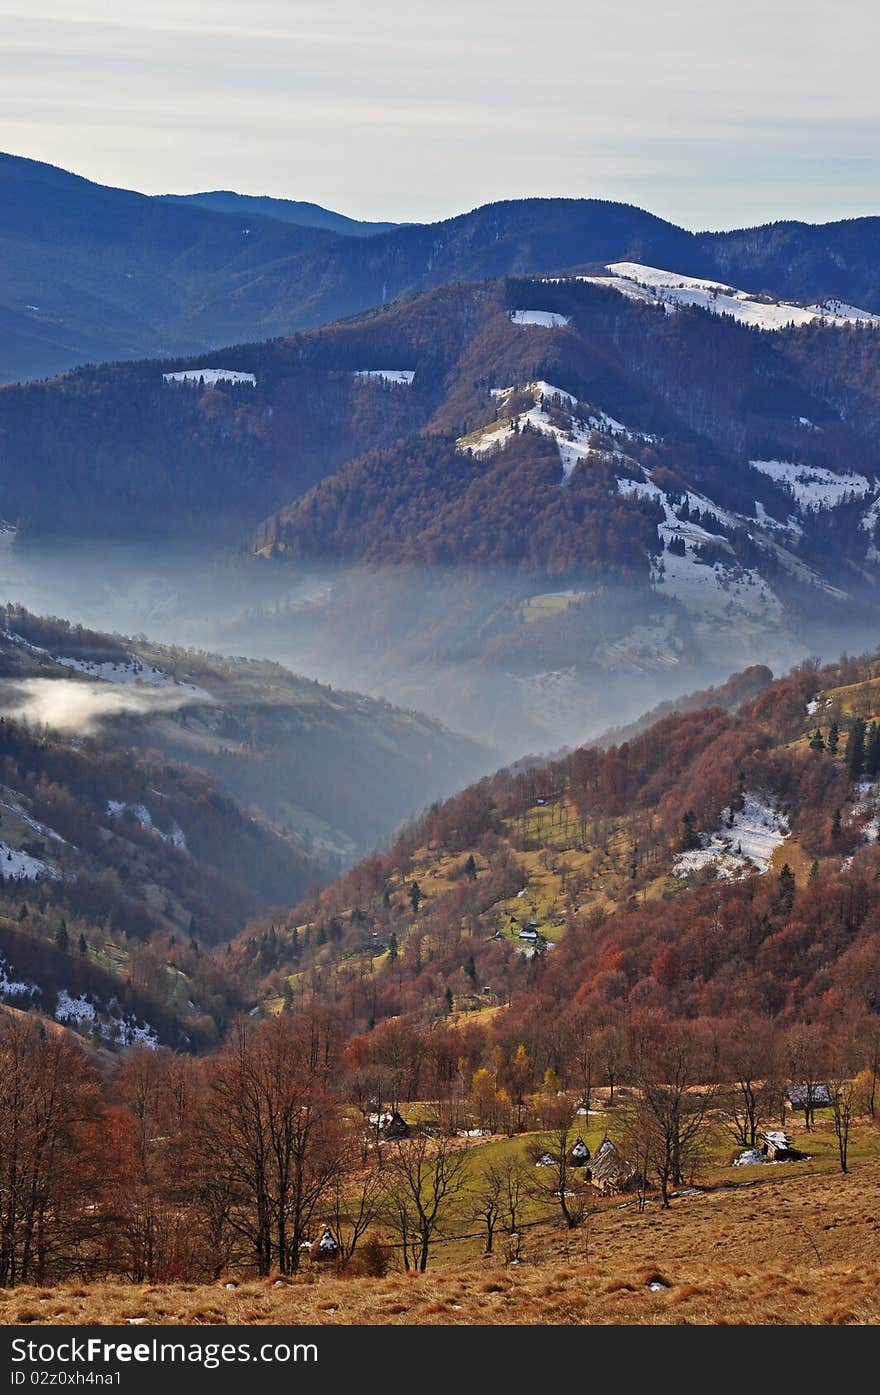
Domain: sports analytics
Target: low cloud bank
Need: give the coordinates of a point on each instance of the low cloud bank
(77, 709)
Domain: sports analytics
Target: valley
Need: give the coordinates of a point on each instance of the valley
(439, 764)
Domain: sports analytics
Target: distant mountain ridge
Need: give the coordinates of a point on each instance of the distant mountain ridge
(91, 273)
(304, 215)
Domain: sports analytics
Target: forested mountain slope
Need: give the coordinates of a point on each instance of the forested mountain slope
(333, 772)
(719, 864)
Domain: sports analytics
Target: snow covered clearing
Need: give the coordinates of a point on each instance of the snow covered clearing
(81, 1013)
(546, 319)
(673, 290)
(745, 843)
(871, 518)
(402, 376)
(24, 643)
(572, 437)
(867, 809)
(719, 588)
(841, 310)
(131, 670)
(209, 376)
(15, 808)
(868, 523)
(118, 809)
(11, 987)
(812, 486)
(18, 866)
(764, 520)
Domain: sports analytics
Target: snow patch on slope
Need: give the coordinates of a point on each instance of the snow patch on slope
(673, 289)
(18, 866)
(572, 437)
(403, 376)
(11, 987)
(81, 1013)
(209, 376)
(720, 588)
(131, 670)
(812, 486)
(15, 808)
(745, 843)
(117, 809)
(791, 526)
(546, 319)
(867, 809)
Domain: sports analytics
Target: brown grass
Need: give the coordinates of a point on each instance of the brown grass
(743, 1255)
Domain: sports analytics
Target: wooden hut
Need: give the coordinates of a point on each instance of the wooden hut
(775, 1146)
(804, 1096)
(610, 1172)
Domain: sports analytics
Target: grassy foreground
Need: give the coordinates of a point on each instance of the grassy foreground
(777, 1248)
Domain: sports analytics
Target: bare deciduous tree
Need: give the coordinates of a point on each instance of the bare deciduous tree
(554, 1180)
(673, 1097)
(271, 1127)
(356, 1205)
(750, 1092)
(807, 1055)
(425, 1177)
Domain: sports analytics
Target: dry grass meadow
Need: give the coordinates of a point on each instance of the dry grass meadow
(784, 1248)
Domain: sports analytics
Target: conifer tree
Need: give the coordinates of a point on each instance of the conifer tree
(787, 887)
(689, 836)
(855, 748)
(872, 752)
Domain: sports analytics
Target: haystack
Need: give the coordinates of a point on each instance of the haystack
(580, 1154)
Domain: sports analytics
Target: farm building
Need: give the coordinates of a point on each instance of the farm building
(610, 1172)
(800, 1096)
(776, 1146)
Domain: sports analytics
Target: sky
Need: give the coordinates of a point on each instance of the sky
(711, 114)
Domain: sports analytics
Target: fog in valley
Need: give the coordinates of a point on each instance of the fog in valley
(500, 656)
(75, 708)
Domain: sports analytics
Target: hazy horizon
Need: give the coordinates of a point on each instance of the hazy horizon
(706, 117)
